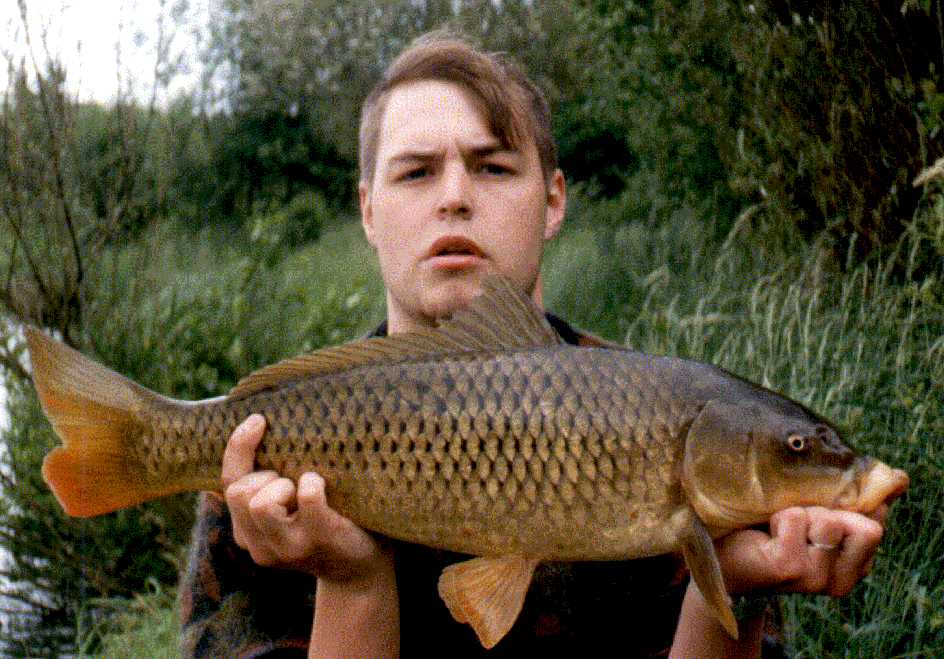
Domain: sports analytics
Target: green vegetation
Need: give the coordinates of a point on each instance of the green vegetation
(145, 626)
(741, 194)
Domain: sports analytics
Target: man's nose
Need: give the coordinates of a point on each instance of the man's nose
(456, 194)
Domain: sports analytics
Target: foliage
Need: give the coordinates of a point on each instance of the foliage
(843, 109)
(74, 177)
(53, 564)
(285, 228)
(824, 113)
(185, 313)
(654, 111)
(42, 207)
(145, 625)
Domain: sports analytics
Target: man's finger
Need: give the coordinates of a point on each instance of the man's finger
(311, 495)
(826, 531)
(314, 515)
(862, 537)
(273, 503)
(239, 458)
(241, 492)
(790, 525)
(237, 497)
(317, 517)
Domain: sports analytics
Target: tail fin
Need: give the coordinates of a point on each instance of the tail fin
(93, 411)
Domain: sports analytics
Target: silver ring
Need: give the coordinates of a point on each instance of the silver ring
(823, 546)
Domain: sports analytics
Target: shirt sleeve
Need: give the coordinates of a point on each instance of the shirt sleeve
(231, 607)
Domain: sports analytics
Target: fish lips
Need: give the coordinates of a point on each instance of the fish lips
(878, 484)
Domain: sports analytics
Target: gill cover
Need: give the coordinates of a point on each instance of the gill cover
(719, 470)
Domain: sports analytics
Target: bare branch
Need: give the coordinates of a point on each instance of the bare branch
(34, 268)
(132, 158)
(70, 296)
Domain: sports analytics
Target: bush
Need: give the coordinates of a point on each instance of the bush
(844, 109)
(822, 112)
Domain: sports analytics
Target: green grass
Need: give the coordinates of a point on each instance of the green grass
(863, 346)
(145, 626)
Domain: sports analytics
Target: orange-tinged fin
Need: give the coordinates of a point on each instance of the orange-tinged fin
(501, 319)
(702, 561)
(92, 410)
(487, 593)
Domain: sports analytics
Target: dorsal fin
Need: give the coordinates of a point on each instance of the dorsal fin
(502, 319)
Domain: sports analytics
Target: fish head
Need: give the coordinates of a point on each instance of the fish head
(745, 461)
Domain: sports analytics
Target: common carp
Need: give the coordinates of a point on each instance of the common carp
(487, 435)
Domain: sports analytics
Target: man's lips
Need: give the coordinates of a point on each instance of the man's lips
(454, 252)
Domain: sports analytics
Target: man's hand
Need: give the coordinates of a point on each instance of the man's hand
(808, 550)
(287, 525)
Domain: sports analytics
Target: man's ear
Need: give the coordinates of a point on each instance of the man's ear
(556, 204)
(367, 211)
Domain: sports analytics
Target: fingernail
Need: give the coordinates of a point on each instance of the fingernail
(311, 479)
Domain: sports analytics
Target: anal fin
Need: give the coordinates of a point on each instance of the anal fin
(699, 551)
(487, 593)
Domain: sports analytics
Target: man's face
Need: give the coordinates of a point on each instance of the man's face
(448, 204)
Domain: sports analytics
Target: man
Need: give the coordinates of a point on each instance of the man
(459, 178)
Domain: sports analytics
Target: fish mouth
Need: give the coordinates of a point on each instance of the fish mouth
(877, 484)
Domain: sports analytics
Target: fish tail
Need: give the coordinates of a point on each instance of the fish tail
(93, 410)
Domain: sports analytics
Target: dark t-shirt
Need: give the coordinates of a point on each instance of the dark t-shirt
(232, 607)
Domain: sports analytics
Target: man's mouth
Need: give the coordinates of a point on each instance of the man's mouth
(454, 253)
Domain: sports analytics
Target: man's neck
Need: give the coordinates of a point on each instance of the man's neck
(398, 321)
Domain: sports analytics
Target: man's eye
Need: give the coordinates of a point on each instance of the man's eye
(414, 173)
(494, 168)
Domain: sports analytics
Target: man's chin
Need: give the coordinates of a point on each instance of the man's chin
(443, 297)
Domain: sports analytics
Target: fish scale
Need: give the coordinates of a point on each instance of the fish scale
(425, 440)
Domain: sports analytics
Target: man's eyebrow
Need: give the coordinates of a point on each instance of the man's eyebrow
(412, 156)
(424, 155)
(491, 149)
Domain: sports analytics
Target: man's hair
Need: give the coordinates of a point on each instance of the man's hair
(513, 106)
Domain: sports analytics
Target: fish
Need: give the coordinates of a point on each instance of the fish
(487, 435)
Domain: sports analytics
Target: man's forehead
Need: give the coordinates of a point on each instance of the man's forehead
(423, 116)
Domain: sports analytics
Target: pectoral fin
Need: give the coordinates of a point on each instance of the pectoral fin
(487, 593)
(699, 552)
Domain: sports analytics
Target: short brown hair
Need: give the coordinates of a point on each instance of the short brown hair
(514, 107)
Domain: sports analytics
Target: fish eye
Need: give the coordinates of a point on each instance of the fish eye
(798, 443)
